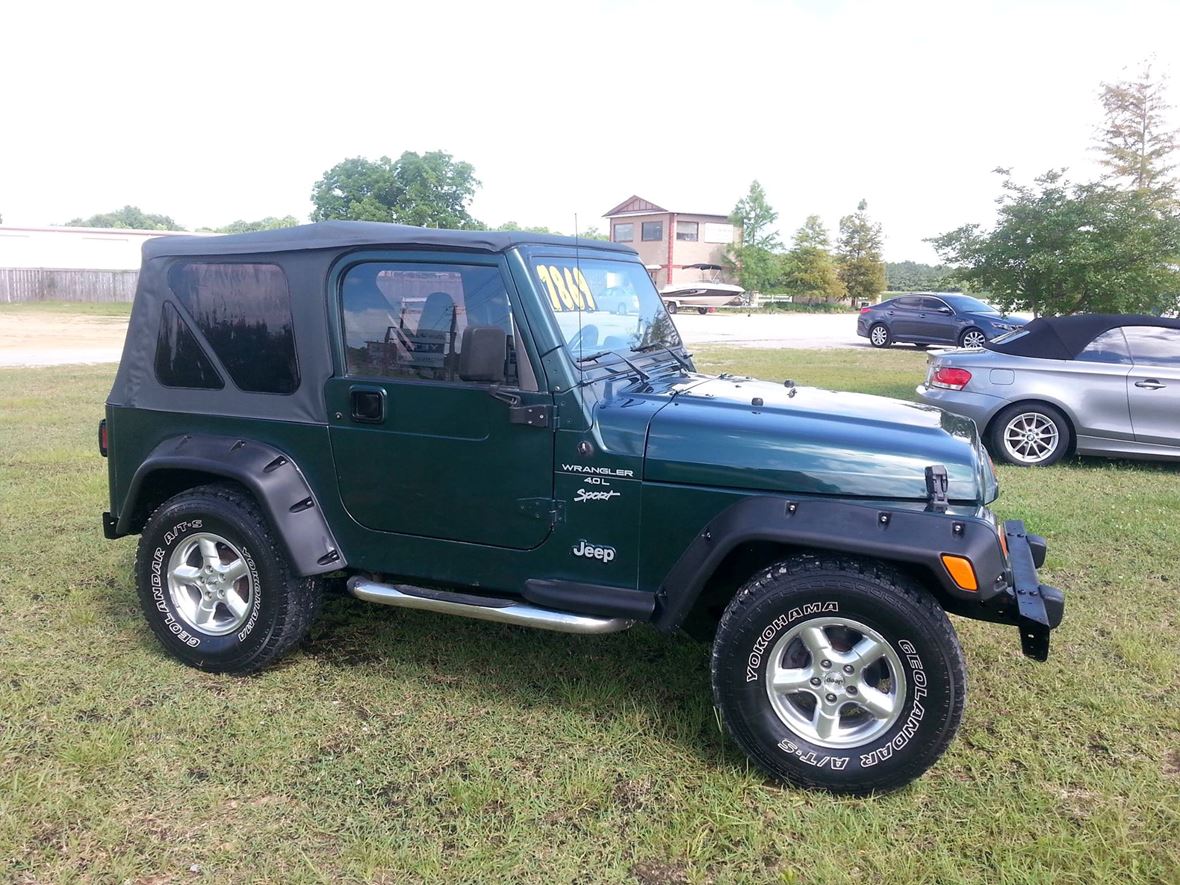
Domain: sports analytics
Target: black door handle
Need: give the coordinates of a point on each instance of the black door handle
(368, 405)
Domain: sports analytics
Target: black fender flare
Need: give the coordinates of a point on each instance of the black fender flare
(903, 535)
(269, 474)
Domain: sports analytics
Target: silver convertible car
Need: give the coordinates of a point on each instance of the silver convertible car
(1095, 384)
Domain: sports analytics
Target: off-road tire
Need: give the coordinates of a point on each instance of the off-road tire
(768, 608)
(880, 340)
(1039, 415)
(284, 604)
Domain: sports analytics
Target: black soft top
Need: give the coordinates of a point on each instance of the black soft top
(338, 234)
(1063, 338)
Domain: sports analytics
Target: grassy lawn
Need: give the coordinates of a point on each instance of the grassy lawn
(74, 308)
(400, 746)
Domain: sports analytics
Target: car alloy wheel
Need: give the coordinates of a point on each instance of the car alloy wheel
(835, 682)
(972, 338)
(1031, 437)
(210, 584)
(879, 335)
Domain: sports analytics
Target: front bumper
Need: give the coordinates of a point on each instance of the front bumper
(1039, 607)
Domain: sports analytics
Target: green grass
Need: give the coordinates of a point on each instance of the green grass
(78, 308)
(398, 746)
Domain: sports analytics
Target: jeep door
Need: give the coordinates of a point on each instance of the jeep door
(418, 449)
(1153, 386)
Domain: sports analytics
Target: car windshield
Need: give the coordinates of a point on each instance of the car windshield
(604, 306)
(967, 304)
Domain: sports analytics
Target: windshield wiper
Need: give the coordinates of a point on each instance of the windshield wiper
(655, 345)
(595, 357)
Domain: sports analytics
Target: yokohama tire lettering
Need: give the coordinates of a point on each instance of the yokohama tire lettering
(766, 637)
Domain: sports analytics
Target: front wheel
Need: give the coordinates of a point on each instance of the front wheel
(672, 306)
(972, 338)
(702, 310)
(214, 585)
(836, 674)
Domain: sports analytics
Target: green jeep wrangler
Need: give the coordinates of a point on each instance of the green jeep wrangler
(506, 426)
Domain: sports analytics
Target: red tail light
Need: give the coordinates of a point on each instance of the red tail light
(865, 309)
(950, 378)
(102, 437)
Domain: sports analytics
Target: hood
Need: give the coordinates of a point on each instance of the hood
(812, 441)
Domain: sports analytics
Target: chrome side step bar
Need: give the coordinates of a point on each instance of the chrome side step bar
(505, 611)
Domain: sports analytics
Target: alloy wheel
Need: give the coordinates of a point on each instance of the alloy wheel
(1031, 437)
(210, 584)
(835, 682)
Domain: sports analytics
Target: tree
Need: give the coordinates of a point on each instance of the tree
(130, 217)
(268, 223)
(1059, 248)
(430, 190)
(913, 276)
(810, 272)
(753, 260)
(1135, 142)
(756, 217)
(861, 269)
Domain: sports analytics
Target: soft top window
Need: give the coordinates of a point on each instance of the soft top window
(180, 362)
(244, 312)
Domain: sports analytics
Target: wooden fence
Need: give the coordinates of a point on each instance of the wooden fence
(50, 284)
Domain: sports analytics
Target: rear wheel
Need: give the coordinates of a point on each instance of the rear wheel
(1031, 435)
(672, 306)
(838, 674)
(879, 335)
(702, 310)
(214, 585)
(972, 338)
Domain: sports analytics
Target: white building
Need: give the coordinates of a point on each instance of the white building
(75, 248)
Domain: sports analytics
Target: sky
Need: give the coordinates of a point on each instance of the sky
(216, 111)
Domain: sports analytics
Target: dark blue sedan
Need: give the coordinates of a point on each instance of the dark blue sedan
(925, 318)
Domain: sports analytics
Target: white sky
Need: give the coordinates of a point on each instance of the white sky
(212, 111)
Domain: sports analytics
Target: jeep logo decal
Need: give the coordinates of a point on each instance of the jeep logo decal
(593, 551)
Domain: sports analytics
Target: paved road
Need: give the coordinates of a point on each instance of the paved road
(795, 330)
(60, 339)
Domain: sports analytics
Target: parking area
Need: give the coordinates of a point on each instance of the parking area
(53, 338)
(790, 330)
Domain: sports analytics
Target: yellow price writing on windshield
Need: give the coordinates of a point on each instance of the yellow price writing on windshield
(567, 288)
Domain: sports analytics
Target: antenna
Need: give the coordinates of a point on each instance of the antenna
(578, 301)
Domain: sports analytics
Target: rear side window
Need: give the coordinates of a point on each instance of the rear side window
(244, 312)
(180, 362)
(911, 302)
(1109, 347)
(1153, 345)
(406, 321)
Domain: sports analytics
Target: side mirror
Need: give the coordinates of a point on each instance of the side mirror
(482, 355)
(945, 311)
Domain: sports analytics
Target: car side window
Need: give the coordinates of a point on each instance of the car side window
(1152, 345)
(406, 320)
(244, 312)
(1109, 347)
(933, 304)
(907, 303)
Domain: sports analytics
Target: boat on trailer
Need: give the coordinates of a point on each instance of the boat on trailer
(704, 294)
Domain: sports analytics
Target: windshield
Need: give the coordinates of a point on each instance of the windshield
(967, 304)
(604, 306)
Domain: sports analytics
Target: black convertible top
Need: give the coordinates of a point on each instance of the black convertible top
(337, 234)
(1063, 338)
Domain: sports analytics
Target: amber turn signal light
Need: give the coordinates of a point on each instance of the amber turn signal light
(961, 572)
